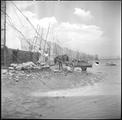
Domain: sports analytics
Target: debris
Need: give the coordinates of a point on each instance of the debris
(29, 66)
(10, 74)
(56, 71)
(67, 68)
(4, 71)
(11, 68)
(77, 69)
(12, 71)
(42, 64)
(23, 66)
(13, 65)
(19, 67)
(27, 75)
(45, 67)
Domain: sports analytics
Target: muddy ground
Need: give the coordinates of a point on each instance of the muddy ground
(45, 94)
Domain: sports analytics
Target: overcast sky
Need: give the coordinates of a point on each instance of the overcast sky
(92, 27)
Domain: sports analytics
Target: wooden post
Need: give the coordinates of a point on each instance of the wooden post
(46, 36)
(4, 31)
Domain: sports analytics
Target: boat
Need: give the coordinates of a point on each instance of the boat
(111, 64)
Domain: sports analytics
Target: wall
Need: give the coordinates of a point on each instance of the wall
(18, 56)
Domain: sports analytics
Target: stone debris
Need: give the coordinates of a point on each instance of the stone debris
(19, 67)
(67, 68)
(4, 71)
(24, 66)
(42, 64)
(77, 69)
(10, 73)
(46, 67)
(13, 65)
(57, 71)
(11, 68)
(28, 66)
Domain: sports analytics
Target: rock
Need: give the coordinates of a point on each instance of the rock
(27, 75)
(25, 66)
(19, 67)
(13, 65)
(45, 67)
(11, 68)
(69, 68)
(10, 74)
(12, 71)
(4, 71)
(77, 69)
(42, 64)
(28, 64)
(56, 71)
(37, 67)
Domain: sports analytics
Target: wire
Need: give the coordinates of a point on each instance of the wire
(19, 18)
(25, 18)
(28, 20)
(13, 26)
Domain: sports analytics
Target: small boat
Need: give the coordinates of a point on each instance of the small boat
(111, 64)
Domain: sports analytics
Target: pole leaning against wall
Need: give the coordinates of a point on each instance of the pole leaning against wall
(3, 30)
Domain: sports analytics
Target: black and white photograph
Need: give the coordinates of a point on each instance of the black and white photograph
(60, 59)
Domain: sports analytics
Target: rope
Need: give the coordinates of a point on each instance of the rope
(26, 18)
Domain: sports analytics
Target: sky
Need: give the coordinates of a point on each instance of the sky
(92, 27)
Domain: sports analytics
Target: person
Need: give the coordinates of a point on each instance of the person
(40, 55)
(46, 56)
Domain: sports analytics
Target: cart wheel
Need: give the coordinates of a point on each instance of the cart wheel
(84, 68)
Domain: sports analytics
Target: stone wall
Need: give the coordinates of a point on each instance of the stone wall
(18, 56)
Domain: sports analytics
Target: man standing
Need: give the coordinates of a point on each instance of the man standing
(46, 56)
(40, 55)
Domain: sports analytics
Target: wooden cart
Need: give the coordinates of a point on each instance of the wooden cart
(82, 64)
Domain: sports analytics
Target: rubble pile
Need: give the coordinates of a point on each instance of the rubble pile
(31, 67)
(27, 66)
(68, 69)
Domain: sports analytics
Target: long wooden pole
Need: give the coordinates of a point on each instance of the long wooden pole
(46, 36)
(41, 37)
(4, 15)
